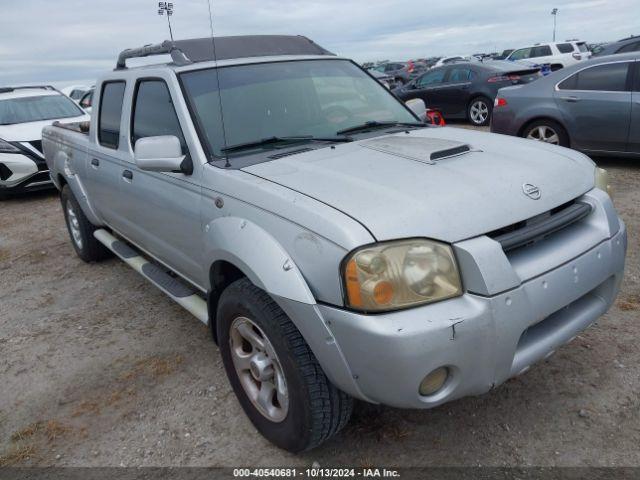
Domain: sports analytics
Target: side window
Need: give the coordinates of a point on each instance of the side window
(569, 83)
(631, 47)
(459, 74)
(520, 54)
(153, 113)
(541, 51)
(431, 78)
(565, 47)
(610, 78)
(110, 113)
(636, 82)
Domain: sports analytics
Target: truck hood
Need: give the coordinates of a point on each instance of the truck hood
(26, 132)
(475, 185)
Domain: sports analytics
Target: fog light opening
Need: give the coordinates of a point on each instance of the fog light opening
(434, 381)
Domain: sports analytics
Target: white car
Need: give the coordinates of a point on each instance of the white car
(448, 60)
(75, 92)
(24, 111)
(557, 54)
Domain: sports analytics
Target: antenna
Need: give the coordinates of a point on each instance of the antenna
(215, 59)
(168, 8)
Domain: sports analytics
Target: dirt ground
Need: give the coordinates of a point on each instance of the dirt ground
(98, 368)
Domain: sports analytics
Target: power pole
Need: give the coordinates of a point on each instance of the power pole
(554, 12)
(166, 7)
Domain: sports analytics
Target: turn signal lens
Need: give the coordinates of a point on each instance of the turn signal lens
(602, 181)
(401, 274)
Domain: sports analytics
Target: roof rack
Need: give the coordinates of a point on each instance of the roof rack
(185, 52)
(26, 87)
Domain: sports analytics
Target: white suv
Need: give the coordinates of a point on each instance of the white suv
(557, 54)
(23, 113)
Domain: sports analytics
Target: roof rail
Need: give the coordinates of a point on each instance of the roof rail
(26, 87)
(194, 50)
(164, 48)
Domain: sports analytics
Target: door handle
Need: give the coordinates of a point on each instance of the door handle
(127, 175)
(570, 99)
(95, 162)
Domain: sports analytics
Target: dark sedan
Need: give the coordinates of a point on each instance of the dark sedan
(466, 90)
(626, 45)
(593, 106)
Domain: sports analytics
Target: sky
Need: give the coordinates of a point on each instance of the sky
(72, 41)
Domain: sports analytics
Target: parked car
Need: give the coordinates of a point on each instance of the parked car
(361, 255)
(557, 54)
(466, 90)
(86, 100)
(503, 55)
(23, 113)
(386, 80)
(75, 92)
(402, 72)
(592, 107)
(448, 60)
(626, 45)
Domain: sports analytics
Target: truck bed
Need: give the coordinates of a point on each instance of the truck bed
(66, 145)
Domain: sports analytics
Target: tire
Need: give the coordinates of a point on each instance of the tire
(81, 229)
(547, 131)
(479, 111)
(312, 409)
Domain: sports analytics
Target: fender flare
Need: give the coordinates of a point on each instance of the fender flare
(258, 255)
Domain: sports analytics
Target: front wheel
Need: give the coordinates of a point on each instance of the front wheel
(273, 372)
(479, 111)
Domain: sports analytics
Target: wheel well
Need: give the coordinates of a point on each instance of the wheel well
(556, 66)
(221, 275)
(537, 119)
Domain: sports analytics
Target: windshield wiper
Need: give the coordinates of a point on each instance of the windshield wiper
(275, 139)
(375, 124)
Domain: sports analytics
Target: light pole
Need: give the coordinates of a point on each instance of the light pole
(554, 12)
(166, 7)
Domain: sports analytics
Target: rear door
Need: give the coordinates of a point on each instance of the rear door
(105, 154)
(633, 144)
(162, 211)
(596, 105)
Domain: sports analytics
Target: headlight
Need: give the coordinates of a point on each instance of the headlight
(6, 147)
(400, 274)
(602, 181)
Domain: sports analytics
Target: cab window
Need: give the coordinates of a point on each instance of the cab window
(110, 113)
(153, 113)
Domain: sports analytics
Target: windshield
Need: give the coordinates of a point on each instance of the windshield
(35, 109)
(315, 98)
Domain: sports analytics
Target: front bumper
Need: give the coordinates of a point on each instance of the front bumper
(483, 340)
(25, 171)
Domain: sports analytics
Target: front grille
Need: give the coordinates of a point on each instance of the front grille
(534, 229)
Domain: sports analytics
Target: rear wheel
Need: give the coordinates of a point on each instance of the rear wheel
(479, 111)
(547, 131)
(81, 229)
(273, 372)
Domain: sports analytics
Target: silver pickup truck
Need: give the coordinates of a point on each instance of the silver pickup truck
(338, 248)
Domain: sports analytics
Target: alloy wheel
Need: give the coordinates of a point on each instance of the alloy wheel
(258, 369)
(545, 134)
(479, 112)
(74, 225)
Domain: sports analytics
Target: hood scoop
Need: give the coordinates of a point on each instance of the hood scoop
(420, 149)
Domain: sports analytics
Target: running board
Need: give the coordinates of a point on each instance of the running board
(180, 293)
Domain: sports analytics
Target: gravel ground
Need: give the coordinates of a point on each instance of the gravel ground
(99, 368)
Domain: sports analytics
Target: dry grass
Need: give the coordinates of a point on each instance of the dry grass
(629, 303)
(154, 367)
(17, 455)
(51, 429)
(86, 408)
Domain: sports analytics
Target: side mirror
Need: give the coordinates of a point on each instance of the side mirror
(417, 106)
(159, 154)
